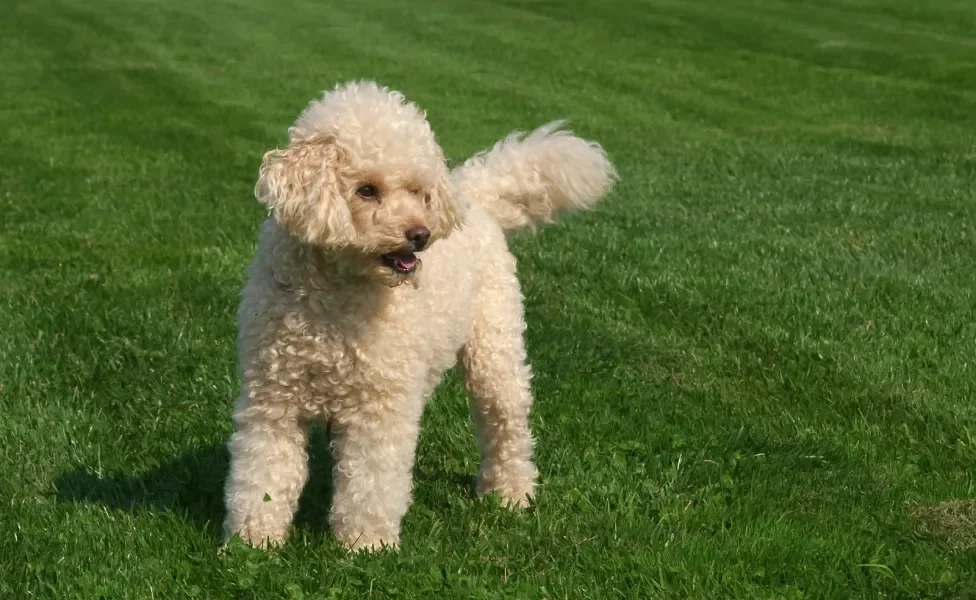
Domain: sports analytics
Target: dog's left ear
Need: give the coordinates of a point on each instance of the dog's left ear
(300, 186)
(448, 205)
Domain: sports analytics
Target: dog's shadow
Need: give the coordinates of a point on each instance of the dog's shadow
(192, 485)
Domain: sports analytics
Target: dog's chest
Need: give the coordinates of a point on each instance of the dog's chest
(357, 357)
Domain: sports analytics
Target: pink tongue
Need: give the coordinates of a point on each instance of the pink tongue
(406, 261)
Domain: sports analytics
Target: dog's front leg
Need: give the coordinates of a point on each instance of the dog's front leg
(268, 469)
(374, 454)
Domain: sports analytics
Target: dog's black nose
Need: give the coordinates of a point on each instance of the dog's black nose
(418, 237)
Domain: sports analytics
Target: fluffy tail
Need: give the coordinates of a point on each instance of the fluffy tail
(526, 182)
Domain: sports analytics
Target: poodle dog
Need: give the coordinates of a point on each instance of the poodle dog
(359, 201)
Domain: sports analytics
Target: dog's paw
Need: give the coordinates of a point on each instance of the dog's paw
(514, 483)
(265, 540)
(369, 543)
(517, 497)
(375, 545)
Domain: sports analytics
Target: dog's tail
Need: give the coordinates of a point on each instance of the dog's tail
(523, 182)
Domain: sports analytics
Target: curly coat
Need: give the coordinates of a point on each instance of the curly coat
(329, 334)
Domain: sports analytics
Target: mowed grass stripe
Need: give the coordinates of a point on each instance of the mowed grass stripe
(753, 363)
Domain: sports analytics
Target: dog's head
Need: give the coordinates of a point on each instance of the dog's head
(363, 176)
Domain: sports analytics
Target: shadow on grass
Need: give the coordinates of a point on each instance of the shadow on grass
(192, 486)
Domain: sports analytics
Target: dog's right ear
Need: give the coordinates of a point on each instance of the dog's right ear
(300, 186)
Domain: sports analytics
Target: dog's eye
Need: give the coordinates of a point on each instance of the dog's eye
(368, 191)
(427, 199)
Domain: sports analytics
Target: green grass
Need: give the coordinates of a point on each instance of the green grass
(755, 362)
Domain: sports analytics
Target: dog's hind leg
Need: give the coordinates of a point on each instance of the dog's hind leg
(497, 378)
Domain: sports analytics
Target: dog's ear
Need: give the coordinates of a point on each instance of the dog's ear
(300, 186)
(448, 205)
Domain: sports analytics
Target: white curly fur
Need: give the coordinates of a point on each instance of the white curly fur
(524, 182)
(327, 333)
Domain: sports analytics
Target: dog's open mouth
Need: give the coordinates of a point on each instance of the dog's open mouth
(400, 262)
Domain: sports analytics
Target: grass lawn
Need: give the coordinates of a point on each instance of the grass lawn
(755, 362)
